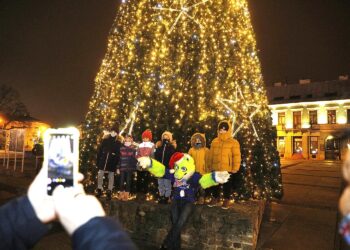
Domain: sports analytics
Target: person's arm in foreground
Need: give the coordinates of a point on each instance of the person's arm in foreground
(23, 220)
(84, 219)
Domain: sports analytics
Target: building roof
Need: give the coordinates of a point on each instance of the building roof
(309, 92)
(20, 118)
(26, 119)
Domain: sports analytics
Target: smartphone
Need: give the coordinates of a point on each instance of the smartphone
(61, 157)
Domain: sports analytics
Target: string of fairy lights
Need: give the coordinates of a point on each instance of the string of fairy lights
(189, 63)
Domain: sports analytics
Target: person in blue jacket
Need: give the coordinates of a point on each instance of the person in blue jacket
(25, 220)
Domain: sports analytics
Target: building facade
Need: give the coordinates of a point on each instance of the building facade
(20, 134)
(312, 119)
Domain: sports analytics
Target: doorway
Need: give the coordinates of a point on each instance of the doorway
(332, 148)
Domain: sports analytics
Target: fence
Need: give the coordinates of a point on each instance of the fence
(12, 145)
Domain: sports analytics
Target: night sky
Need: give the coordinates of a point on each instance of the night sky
(50, 50)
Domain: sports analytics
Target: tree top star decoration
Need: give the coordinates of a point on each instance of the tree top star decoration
(183, 11)
(227, 102)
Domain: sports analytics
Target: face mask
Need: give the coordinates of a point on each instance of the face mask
(113, 134)
(198, 145)
(127, 143)
(165, 141)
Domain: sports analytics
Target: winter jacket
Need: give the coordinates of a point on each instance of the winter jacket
(127, 158)
(225, 152)
(38, 150)
(19, 226)
(164, 152)
(108, 154)
(199, 155)
(20, 229)
(145, 149)
(101, 233)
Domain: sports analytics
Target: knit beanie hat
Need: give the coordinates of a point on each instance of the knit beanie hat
(115, 128)
(147, 134)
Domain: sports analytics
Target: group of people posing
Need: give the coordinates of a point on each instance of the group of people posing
(119, 154)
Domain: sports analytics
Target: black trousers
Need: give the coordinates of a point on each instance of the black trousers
(125, 181)
(143, 179)
(180, 211)
(227, 189)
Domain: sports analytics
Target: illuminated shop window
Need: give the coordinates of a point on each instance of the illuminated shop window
(297, 145)
(313, 145)
(281, 145)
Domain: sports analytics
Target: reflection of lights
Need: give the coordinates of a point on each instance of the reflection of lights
(314, 151)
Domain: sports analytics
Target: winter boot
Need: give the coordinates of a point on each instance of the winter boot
(126, 196)
(214, 202)
(167, 200)
(162, 200)
(98, 193)
(200, 200)
(226, 204)
(120, 195)
(109, 195)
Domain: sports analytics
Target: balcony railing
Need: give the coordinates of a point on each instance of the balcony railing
(315, 126)
(297, 126)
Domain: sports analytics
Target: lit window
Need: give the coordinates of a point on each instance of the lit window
(313, 117)
(331, 116)
(297, 119)
(281, 119)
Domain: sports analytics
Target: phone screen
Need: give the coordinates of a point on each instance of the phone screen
(61, 158)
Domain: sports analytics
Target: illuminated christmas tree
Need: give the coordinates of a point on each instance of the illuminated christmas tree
(183, 66)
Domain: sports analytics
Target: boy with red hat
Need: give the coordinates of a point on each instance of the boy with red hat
(146, 148)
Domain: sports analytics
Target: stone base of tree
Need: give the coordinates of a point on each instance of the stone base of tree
(207, 228)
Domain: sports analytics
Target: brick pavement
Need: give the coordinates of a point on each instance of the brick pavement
(306, 217)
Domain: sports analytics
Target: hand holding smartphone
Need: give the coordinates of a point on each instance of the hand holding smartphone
(61, 156)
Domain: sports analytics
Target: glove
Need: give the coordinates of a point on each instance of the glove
(144, 162)
(222, 176)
